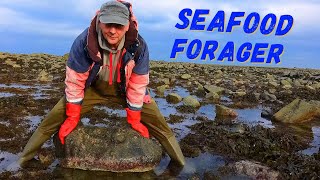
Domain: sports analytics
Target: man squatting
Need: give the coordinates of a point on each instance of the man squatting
(108, 62)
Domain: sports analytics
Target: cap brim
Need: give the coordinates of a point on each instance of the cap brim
(113, 19)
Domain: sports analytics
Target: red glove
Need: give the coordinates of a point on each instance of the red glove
(134, 118)
(73, 117)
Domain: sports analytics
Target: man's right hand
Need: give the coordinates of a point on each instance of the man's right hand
(73, 117)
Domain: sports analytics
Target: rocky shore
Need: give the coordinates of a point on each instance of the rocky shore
(30, 85)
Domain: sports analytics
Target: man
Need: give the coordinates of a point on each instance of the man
(108, 62)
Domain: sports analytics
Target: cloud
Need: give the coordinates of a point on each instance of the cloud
(152, 15)
(304, 12)
(11, 20)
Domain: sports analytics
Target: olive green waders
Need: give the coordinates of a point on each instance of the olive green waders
(150, 116)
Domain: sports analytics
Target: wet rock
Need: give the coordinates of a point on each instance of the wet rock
(108, 149)
(285, 83)
(272, 91)
(269, 97)
(255, 170)
(218, 74)
(199, 87)
(161, 89)
(266, 113)
(166, 81)
(287, 87)
(172, 80)
(46, 156)
(191, 101)
(256, 96)
(175, 118)
(224, 120)
(316, 86)
(298, 111)
(297, 83)
(310, 88)
(12, 63)
(214, 89)
(225, 111)
(173, 98)
(189, 151)
(273, 84)
(212, 95)
(186, 76)
(269, 76)
(44, 76)
(239, 93)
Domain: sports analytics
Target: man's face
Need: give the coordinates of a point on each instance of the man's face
(113, 33)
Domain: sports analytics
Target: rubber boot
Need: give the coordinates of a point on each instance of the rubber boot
(173, 149)
(34, 144)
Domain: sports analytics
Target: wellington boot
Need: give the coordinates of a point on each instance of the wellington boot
(173, 149)
(34, 144)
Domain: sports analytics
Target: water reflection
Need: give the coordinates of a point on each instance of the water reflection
(165, 170)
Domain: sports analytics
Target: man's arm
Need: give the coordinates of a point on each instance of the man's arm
(77, 72)
(136, 90)
(139, 79)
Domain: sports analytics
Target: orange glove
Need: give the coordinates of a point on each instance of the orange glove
(73, 117)
(133, 118)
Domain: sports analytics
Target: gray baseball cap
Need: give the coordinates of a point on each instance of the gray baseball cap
(114, 12)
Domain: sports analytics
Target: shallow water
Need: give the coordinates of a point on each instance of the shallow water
(204, 162)
(4, 94)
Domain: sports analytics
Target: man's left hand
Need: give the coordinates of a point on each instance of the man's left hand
(134, 118)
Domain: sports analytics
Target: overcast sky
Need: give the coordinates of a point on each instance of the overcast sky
(43, 26)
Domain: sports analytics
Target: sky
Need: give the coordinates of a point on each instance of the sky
(43, 26)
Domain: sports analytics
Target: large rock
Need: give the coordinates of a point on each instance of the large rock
(298, 111)
(108, 149)
(186, 76)
(173, 98)
(214, 89)
(191, 101)
(254, 170)
(225, 111)
(161, 90)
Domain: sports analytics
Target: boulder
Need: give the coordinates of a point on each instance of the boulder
(186, 76)
(161, 89)
(254, 170)
(173, 98)
(214, 89)
(212, 95)
(225, 111)
(108, 149)
(298, 111)
(191, 101)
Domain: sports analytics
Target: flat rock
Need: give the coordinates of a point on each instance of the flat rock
(298, 111)
(255, 170)
(108, 149)
(173, 98)
(191, 101)
(186, 76)
(225, 111)
(214, 89)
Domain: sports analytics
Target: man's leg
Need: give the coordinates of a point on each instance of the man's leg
(52, 122)
(158, 127)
